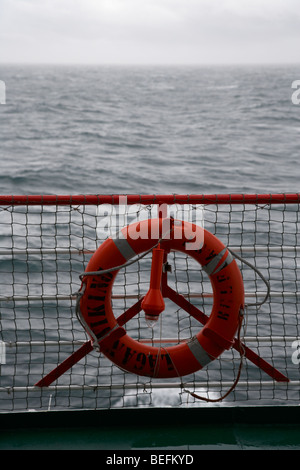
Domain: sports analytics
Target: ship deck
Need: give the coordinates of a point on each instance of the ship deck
(165, 429)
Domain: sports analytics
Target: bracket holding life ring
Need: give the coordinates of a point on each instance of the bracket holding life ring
(107, 333)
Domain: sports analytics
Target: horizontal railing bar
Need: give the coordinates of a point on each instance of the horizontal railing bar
(69, 200)
(17, 344)
(263, 249)
(33, 298)
(246, 339)
(75, 251)
(151, 386)
(45, 251)
(249, 294)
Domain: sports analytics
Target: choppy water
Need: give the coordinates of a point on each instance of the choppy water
(103, 130)
(148, 130)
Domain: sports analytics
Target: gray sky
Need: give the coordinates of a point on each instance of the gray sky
(150, 31)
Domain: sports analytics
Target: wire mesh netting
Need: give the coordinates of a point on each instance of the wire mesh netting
(45, 248)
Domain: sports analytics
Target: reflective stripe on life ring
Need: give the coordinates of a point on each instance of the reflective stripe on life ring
(187, 357)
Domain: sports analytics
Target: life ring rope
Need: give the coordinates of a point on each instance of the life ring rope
(127, 251)
(233, 386)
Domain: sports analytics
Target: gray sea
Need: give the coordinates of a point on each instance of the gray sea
(140, 130)
(110, 129)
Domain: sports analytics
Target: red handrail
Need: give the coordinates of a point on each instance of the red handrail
(62, 200)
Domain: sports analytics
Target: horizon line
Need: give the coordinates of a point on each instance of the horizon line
(150, 64)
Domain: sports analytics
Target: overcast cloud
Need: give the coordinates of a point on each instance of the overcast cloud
(149, 31)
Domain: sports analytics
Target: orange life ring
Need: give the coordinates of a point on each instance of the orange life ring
(97, 316)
